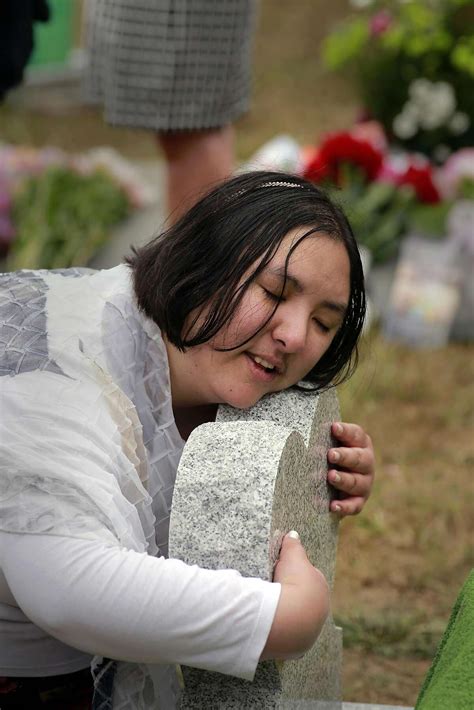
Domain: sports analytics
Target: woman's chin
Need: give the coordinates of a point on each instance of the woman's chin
(241, 401)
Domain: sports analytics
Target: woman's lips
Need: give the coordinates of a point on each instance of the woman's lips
(259, 371)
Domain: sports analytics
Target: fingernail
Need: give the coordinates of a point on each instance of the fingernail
(338, 428)
(336, 477)
(293, 534)
(337, 508)
(335, 456)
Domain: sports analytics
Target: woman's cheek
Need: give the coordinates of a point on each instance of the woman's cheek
(250, 317)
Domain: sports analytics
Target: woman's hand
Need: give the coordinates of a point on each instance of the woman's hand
(354, 468)
(303, 605)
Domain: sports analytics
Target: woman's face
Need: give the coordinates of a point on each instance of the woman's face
(290, 344)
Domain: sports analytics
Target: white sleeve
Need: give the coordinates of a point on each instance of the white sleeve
(130, 606)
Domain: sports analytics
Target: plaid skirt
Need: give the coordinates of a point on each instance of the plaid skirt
(170, 65)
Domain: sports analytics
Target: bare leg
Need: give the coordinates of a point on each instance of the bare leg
(195, 162)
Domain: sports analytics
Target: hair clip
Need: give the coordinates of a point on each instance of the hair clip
(281, 183)
(273, 183)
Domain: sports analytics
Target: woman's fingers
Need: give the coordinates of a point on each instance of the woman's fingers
(347, 506)
(354, 484)
(356, 459)
(350, 434)
(292, 556)
(354, 467)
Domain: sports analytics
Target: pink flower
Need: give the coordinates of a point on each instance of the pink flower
(380, 23)
(394, 165)
(372, 132)
(459, 166)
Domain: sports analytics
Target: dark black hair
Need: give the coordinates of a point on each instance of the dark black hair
(201, 261)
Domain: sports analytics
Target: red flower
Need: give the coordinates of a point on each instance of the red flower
(338, 149)
(421, 179)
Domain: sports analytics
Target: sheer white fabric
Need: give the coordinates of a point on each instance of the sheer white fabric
(88, 443)
(109, 407)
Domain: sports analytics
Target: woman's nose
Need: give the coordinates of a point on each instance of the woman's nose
(291, 330)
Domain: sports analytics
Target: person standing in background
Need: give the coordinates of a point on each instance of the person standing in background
(17, 18)
(180, 68)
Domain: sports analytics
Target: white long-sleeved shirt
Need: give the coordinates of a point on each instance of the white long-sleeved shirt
(127, 605)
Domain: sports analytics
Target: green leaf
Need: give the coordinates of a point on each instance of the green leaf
(462, 56)
(429, 219)
(466, 188)
(345, 44)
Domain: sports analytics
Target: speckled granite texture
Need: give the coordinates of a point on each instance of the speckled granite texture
(244, 481)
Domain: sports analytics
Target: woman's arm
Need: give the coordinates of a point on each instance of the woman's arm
(130, 606)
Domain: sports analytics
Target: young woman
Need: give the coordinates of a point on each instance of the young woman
(259, 287)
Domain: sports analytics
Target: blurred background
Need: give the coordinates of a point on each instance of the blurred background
(374, 101)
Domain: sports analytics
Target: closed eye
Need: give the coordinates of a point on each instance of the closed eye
(274, 297)
(322, 326)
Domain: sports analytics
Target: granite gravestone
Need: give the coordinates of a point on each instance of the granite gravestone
(244, 482)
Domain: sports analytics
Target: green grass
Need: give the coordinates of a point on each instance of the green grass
(392, 633)
(402, 562)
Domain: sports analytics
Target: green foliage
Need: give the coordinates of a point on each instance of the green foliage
(62, 218)
(432, 40)
(466, 188)
(379, 213)
(382, 213)
(345, 44)
(462, 55)
(430, 219)
(419, 29)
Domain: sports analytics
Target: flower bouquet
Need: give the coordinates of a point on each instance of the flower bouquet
(385, 192)
(57, 210)
(413, 63)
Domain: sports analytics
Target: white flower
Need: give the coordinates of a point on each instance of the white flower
(434, 102)
(459, 123)
(404, 125)
(431, 119)
(444, 97)
(398, 161)
(419, 89)
(412, 110)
